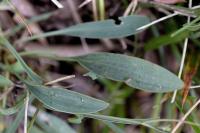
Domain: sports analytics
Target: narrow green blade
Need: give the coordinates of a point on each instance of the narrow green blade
(101, 29)
(67, 101)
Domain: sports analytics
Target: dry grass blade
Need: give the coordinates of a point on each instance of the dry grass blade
(183, 54)
(60, 79)
(75, 67)
(170, 1)
(57, 3)
(189, 72)
(21, 18)
(77, 19)
(185, 116)
(84, 3)
(129, 8)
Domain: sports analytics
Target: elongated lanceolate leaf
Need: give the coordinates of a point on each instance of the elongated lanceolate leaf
(135, 72)
(67, 101)
(102, 29)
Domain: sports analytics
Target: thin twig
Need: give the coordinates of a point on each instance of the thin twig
(129, 8)
(94, 10)
(157, 21)
(26, 113)
(84, 3)
(195, 86)
(60, 79)
(166, 17)
(183, 55)
(77, 19)
(181, 66)
(21, 18)
(185, 116)
(182, 10)
(57, 3)
(135, 6)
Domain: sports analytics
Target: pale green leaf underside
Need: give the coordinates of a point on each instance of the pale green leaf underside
(101, 29)
(135, 72)
(67, 101)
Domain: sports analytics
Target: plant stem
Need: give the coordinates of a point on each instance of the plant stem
(26, 112)
(101, 4)
(185, 116)
(157, 21)
(182, 10)
(57, 3)
(33, 120)
(184, 53)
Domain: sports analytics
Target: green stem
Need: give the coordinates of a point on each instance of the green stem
(186, 27)
(48, 55)
(33, 120)
(101, 9)
(157, 109)
(122, 121)
(183, 10)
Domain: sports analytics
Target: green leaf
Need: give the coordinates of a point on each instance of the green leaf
(55, 124)
(14, 109)
(15, 68)
(163, 40)
(12, 128)
(143, 122)
(186, 26)
(114, 127)
(101, 29)
(76, 120)
(133, 71)
(67, 101)
(5, 82)
(32, 75)
(92, 75)
(35, 129)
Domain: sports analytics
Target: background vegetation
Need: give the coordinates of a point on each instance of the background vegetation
(47, 87)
